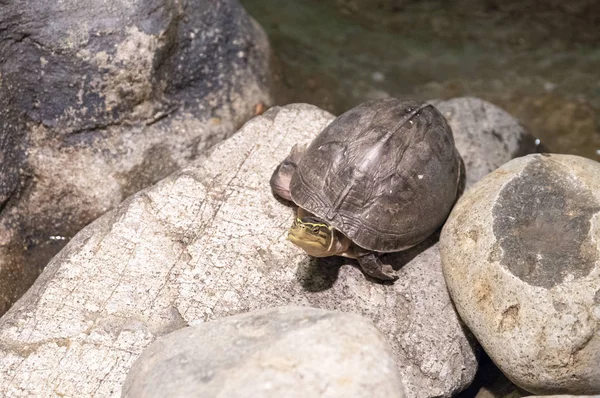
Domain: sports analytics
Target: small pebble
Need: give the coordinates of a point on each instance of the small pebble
(378, 76)
(549, 86)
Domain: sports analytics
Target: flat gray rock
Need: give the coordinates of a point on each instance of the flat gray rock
(205, 243)
(281, 352)
(100, 99)
(521, 260)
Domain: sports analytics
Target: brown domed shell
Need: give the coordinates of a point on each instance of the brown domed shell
(385, 174)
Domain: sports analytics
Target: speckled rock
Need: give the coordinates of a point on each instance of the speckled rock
(281, 352)
(209, 242)
(100, 99)
(485, 135)
(521, 255)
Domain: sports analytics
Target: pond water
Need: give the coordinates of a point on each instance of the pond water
(540, 62)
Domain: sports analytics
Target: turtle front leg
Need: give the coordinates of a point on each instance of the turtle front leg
(374, 267)
(282, 176)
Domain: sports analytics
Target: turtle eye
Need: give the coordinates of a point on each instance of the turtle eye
(315, 230)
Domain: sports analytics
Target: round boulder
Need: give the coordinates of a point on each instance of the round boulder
(289, 351)
(521, 258)
(101, 99)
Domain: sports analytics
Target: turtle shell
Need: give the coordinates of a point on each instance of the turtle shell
(385, 174)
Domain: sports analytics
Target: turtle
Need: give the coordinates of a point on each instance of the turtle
(380, 178)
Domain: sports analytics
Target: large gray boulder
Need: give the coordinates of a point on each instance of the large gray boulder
(290, 352)
(100, 99)
(206, 243)
(521, 258)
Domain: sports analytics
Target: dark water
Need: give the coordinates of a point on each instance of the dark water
(538, 60)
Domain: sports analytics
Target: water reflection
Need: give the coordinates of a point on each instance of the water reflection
(540, 62)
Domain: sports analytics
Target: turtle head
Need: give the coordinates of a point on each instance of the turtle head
(313, 235)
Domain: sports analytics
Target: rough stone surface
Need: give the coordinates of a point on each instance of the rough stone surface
(280, 352)
(521, 255)
(208, 242)
(484, 134)
(100, 99)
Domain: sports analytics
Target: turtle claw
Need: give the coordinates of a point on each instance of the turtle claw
(372, 266)
(388, 273)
